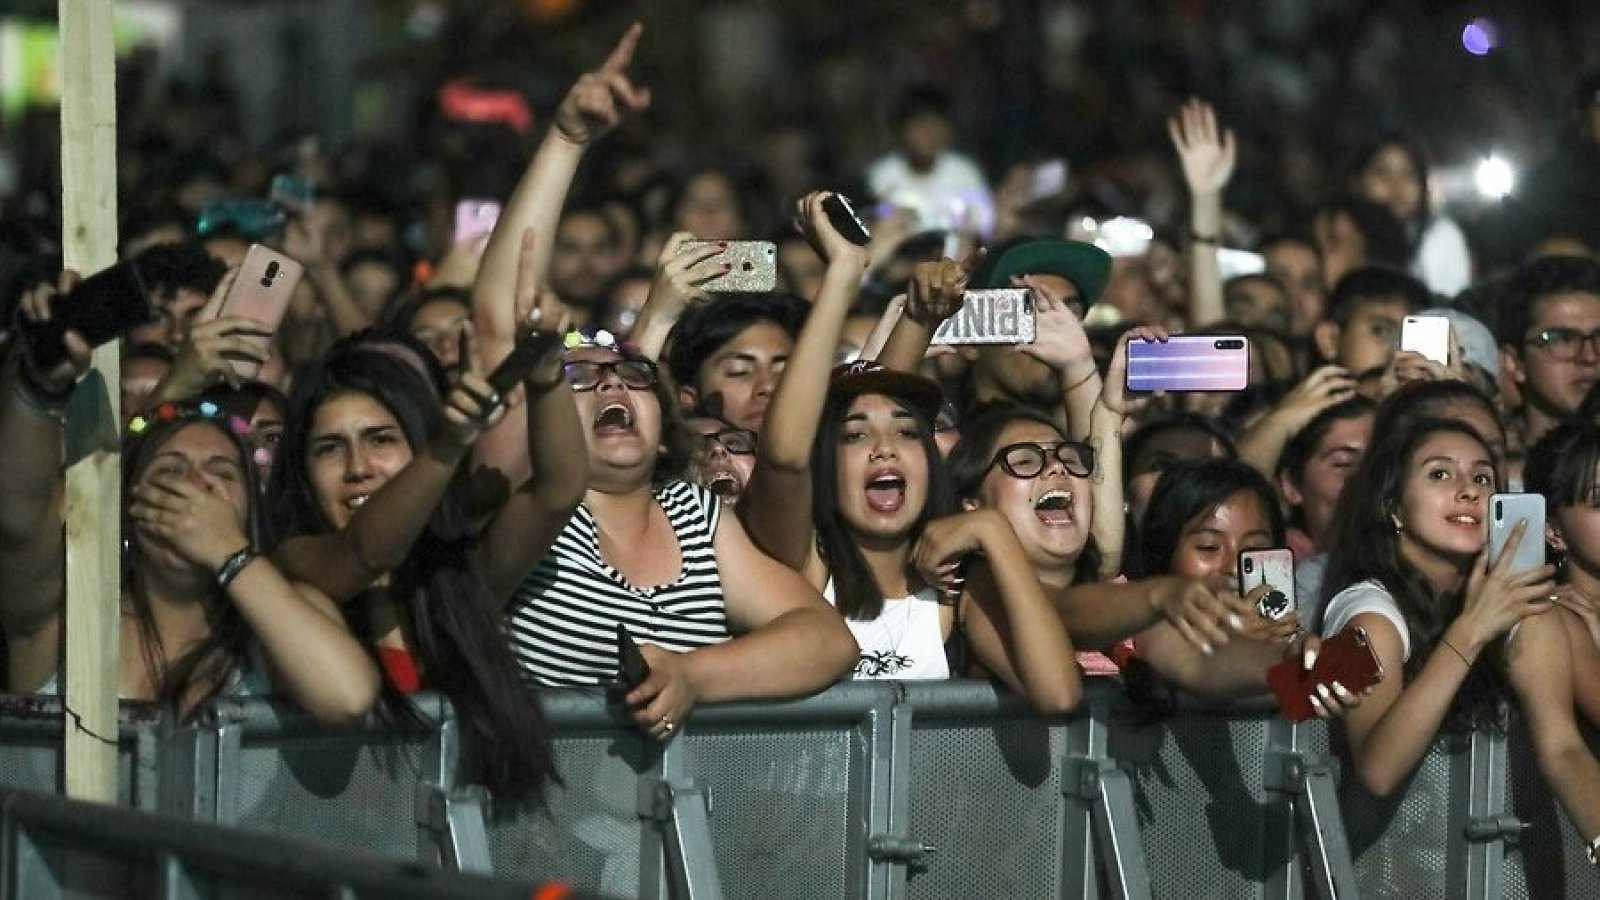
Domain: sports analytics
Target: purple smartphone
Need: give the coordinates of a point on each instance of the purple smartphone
(1190, 362)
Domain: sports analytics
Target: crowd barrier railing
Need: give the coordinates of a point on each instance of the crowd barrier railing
(51, 847)
(880, 790)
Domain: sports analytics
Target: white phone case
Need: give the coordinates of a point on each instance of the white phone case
(1504, 512)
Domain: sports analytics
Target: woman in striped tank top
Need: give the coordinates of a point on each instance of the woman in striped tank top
(651, 553)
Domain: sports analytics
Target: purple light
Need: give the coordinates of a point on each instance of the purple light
(1480, 36)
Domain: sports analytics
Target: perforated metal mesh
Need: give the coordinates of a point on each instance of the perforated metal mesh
(590, 833)
(349, 792)
(1201, 806)
(34, 764)
(988, 796)
(1400, 843)
(780, 817)
(1549, 861)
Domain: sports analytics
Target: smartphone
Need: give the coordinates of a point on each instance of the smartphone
(998, 316)
(1427, 335)
(102, 308)
(292, 191)
(261, 291)
(632, 670)
(754, 267)
(1347, 658)
(1274, 568)
(1190, 362)
(524, 357)
(475, 218)
(254, 219)
(1505, 510)
(843, 217)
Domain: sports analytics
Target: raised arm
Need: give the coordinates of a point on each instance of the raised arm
(381, 532)
(1061, 344)
(777, 502)
(1262, 443)
(535, 514)
(677, 281)
(1013, 629)
(1208, 158)
(789, 641)
(934, 295)
(32, 485)
(1106, 422)
(597, 103)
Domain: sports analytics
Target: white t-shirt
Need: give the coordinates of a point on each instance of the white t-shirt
(951, 194)
(905, 642)
(1365, 597)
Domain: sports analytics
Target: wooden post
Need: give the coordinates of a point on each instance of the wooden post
(93, 495)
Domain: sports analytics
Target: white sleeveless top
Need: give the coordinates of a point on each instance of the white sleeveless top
(905, 642)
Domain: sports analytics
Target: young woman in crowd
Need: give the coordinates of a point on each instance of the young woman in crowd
(651, 554)
(1393, 171)
(205, 613)
(1407, 564)
(376, 509)
(849, 488)
(1554, 660)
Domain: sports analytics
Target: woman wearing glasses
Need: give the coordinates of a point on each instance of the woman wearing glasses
(652, 554)
(724, 457)
(849, 488)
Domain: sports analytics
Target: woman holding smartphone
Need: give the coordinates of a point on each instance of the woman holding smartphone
(1407, 564)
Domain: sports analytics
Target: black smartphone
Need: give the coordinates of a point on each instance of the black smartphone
(844, 219)
(524, 357)
(632, 670)
(101, 309)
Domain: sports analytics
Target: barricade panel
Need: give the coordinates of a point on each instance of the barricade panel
(31, 738)
(1549, 861)
(986, 792)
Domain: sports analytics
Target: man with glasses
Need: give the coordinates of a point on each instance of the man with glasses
(1549, 334)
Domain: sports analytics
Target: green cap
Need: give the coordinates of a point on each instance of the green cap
(1085, 265)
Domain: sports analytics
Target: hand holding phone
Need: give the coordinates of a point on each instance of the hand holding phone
(474, 219)
(1346, 658)
(1505, 511)
(100, 309)
(1190, 362)
(261, 290)
(1427, 335)
(999, 316)
(524, 358)
(1274, 568)
(842, 215)
(752, 266)
(632, 670)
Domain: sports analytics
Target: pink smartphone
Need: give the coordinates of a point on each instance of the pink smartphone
(475, 218)
(261, 291)
(1190, 362)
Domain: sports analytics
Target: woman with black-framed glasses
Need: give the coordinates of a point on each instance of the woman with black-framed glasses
(724, 456)
(658, 557)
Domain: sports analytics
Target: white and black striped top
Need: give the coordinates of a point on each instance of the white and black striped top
(563, 620)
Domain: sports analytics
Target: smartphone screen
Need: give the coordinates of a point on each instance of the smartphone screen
(842, 215)
(998, 316)
(1427, 335)
(1505, 510)
(1189, 362)
(1274, 568)
(266, 281)
(475, 218)
(100, 309)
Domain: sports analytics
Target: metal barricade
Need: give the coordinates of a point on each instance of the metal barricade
(30, 747)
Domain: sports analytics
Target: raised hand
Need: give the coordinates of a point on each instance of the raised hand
(1498, 598)
(680, 272)
(1114, 390)
(813, 222)
(1206, 155)
(34, 306)
(936, 289)
(601, 99)
(1324, 387)
(473, 406)
(1059, 339)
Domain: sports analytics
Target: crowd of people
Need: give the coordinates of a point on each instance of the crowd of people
(757, 493)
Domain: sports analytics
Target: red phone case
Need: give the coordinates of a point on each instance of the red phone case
(1347, 658)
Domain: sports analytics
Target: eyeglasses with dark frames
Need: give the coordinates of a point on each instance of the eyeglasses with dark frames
(585, 374)
(738, 441)
(1565, 344)
(1029, 459)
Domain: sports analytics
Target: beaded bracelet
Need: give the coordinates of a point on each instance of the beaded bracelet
(235, 564)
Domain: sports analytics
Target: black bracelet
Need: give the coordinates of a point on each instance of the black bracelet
(234, 564)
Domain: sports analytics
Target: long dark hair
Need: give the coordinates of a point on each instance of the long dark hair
(1417, 154)
(1189, 490)
(1562, 465)
(970, 461)
(856, 592)
(212, 663)
(459, 639)
(1365, 545)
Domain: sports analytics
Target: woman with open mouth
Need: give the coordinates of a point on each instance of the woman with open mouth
(651, 558)
(849, 488)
